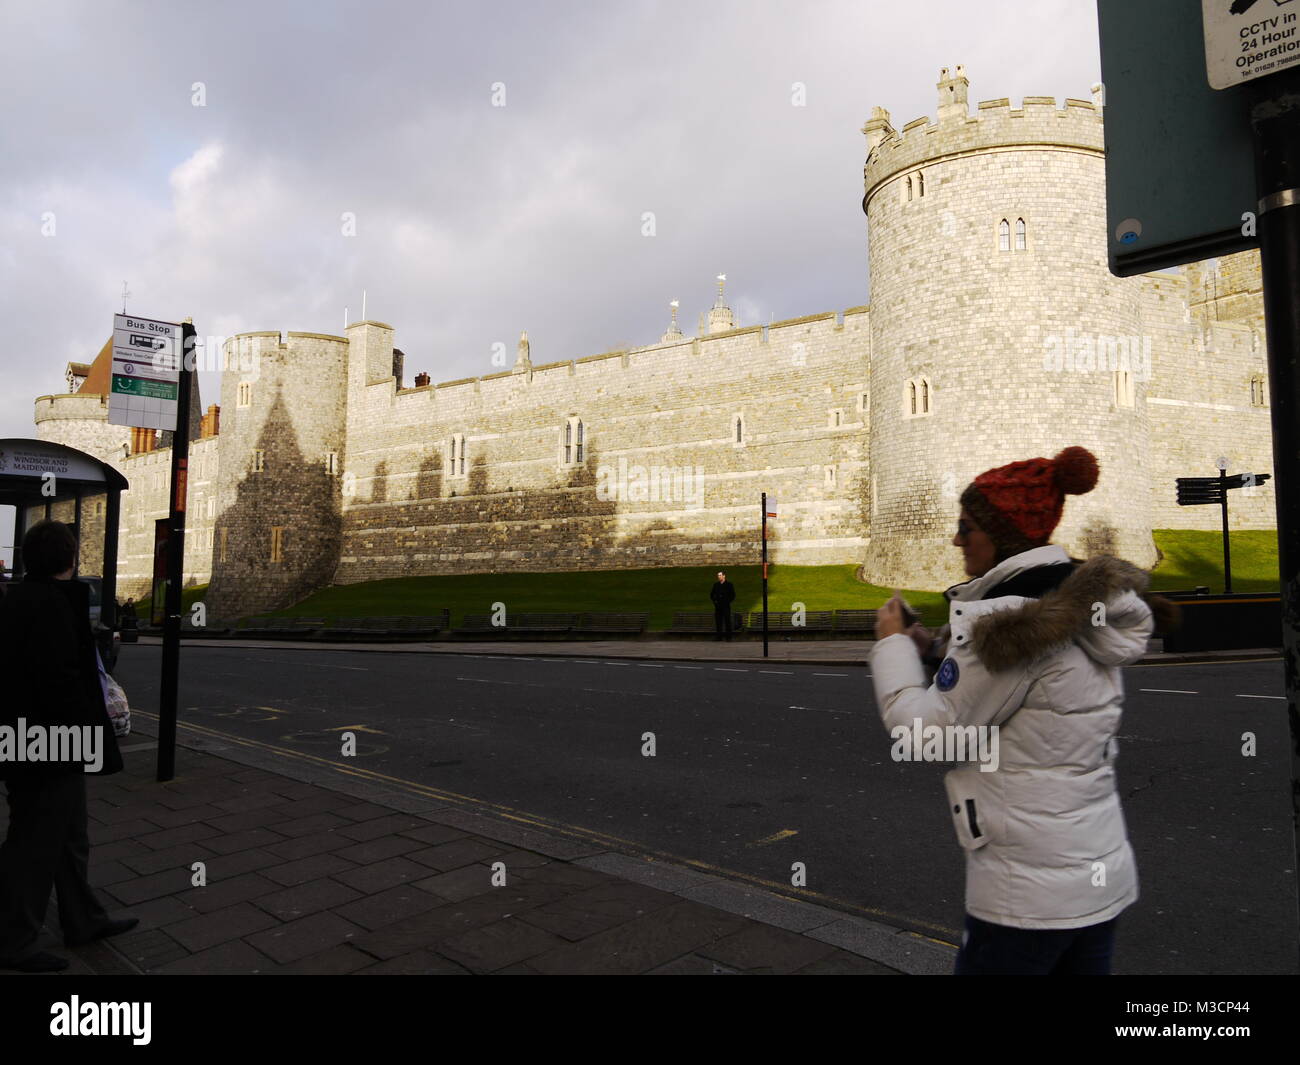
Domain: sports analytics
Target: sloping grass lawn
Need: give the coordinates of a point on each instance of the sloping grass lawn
(659, 592)
(1191, 558)
(189, 596)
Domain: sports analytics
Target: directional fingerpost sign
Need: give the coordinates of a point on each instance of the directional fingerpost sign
(146, 372)
(1248, 39)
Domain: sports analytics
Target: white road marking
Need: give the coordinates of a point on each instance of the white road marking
(649, 665)
(830, 674)
(688, 667)
(1169, 691)
(724, 669)
(779, 672)
(1261, 696)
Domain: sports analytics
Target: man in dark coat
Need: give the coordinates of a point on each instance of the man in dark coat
(54, 728)
(723, 594)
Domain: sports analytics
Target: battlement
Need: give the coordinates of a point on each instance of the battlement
(824, 321)
(67, 406)
(1037, 122)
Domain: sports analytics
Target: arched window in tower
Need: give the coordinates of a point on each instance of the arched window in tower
(920, 184)
(1258, 391)
(911, 389)
(244, 397)
(1020, 234)
(1125, 392)
(909, 188)
(1004, 235)
(574, 442)
(738, 430)
(456, 456)
(925, 396)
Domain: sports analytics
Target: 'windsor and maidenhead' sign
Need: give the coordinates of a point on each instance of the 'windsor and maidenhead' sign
(1247, 39)
(146, 372)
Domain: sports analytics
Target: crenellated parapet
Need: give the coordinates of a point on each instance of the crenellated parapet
(1039, 122)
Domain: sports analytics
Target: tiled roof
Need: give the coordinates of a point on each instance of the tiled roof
(98, 379)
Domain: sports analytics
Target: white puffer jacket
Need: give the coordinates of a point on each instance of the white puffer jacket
(1045, 841)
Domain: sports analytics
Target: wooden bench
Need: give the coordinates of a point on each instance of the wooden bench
(343, 628)
(783, 621)
(534, 624)
(478, 625)
(693, 623)
(213, 628)
(420, 626)
(290, 627)
(855, 621)
(612, 624)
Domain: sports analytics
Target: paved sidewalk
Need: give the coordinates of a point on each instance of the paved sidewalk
(807, 652)
(329, 875)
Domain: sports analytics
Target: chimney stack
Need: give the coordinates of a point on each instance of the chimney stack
(211, 423)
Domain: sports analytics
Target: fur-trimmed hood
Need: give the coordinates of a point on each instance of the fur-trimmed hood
(1009, 637)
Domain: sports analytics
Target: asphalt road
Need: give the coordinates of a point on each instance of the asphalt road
(758, 767)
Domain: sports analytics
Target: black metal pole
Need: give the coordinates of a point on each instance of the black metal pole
(1223, 509)
(763, 504)
(171, 652)
(112, 513)
(1275, 120)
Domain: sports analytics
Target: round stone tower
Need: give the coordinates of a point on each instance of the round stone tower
(997, 331)
(276, 530)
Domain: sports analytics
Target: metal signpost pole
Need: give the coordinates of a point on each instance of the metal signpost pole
(1227, 551)
(1275, 122)
(171, 652)
(764, 506)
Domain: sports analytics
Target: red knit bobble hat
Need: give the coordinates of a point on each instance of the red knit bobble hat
(1019, 505)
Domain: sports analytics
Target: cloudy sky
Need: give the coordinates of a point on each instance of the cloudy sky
(472, 221)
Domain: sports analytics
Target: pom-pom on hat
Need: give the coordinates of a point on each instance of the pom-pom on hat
(1019, 505)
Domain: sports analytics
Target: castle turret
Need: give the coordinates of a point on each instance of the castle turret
(523, 361)
(721, 320)
(674, 332)
(995, 327)
(275, 537)
(952, 96)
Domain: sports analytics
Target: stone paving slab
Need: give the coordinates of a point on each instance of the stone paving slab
(303, 877)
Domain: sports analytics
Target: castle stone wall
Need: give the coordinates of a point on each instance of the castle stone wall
(664, 482)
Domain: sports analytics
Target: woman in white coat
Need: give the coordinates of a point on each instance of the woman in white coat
(1033, 652)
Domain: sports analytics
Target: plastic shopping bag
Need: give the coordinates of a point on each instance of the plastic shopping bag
(119, 711)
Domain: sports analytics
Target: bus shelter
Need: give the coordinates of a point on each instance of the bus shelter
(41, 480)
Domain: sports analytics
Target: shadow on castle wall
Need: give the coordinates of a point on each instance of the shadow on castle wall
(293, 494)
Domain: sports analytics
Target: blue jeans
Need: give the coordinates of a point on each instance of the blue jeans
(997, 950)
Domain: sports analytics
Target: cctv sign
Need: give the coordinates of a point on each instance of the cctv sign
(1248, 39)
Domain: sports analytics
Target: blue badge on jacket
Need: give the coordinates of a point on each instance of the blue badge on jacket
(946, 678)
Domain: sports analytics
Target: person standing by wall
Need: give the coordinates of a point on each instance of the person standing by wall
(1034, 648)
(48, 662)
(723, 594)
